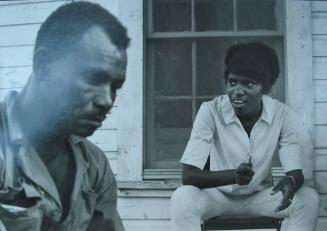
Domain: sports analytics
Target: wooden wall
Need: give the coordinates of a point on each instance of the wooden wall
(148, 208)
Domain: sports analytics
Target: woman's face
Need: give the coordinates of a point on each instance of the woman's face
(245, 94)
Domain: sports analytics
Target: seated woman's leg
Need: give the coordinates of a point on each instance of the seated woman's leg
(190, 204)
(301, 215)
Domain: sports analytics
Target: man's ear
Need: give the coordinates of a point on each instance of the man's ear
(41, 63)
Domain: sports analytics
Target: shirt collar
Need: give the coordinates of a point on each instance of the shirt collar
(230, 116)
(14, 129)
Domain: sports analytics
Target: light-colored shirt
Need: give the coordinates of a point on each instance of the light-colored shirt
(218, 132)
(94, 195)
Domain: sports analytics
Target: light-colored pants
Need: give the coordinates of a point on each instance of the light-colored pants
(190, 205)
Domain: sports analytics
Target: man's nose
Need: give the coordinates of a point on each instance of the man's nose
(104, 100)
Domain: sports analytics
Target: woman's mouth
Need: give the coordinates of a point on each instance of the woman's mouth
(239, 102)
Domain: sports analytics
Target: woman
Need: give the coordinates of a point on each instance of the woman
(240, 131)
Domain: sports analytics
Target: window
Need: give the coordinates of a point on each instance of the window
(186, 41)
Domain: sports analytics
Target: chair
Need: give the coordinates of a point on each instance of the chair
(241, 222)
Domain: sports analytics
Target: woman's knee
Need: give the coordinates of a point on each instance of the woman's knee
(307, 198)
(187, 198)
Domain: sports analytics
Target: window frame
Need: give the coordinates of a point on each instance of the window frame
(298, 90)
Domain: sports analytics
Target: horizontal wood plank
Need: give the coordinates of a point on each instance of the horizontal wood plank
(16, 56)
(22, 2)
(144, 209)
(26, 13)
(320, 182)
(147, 225)
(319, 45)
(320, 93)
(319, 20)
(13, 77)
(12, 35)
(320, 162)
(318, 6)
(320, 136)
(320, 112)
(319, 68)
(105, 139)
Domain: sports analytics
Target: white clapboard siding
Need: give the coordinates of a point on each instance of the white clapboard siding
(320, 67)
(320, 160)
(320, 182)
(320, 136)
(320, 87)
(24, 34)
(105, 139)
(320, 113)
(144, 208)
(319, 20)
(26, 13)
(16, 56)
(13, 77)
(19, 2)
(318, 6)
(147, 225)
(319, 45)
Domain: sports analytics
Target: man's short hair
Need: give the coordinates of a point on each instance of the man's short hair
(62, 29)
(255, 60)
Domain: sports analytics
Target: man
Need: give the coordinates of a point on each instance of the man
(237, 134)
(51, 177)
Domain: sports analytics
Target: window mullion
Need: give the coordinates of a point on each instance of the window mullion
(235, 15)
(194, 79)
(193, 19)
(150, 17)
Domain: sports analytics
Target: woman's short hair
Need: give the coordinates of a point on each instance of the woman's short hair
(255, 60)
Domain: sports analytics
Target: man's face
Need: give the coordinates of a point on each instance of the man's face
(245, 94)
(84, 83)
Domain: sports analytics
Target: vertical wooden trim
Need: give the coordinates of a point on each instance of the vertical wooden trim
(130, 97)
(235, 14)
(194, 78)
(193, 18)
(150, 22)
(299, 84)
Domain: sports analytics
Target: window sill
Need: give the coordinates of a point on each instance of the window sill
(155, 189)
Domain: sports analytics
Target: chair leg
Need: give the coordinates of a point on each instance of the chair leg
(202, 226)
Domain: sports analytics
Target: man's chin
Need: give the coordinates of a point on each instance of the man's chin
(84, 132)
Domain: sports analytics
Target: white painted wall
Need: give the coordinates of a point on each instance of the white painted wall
(121, 135)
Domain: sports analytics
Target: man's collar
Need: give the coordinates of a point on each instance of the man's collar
(14, 129)
(230, 116)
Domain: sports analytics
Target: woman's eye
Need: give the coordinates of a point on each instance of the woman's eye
(250, 85)
(232, 83)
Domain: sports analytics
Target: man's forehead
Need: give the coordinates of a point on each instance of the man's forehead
(96, 41)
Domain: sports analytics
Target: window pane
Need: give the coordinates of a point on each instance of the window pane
(214, 15)
(170, 143)
(256, 14)
(173, 113)
(173, 68)
(171, 15)
(173, 122)
(210, 66)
